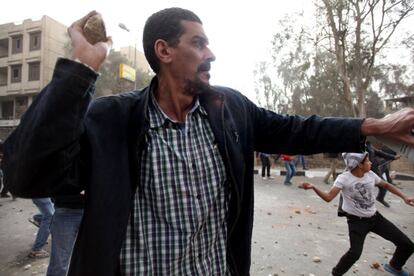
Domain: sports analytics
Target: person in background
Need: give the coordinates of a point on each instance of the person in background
(358, 187)
(290, 168)
(379, 158)
(265, 159)
(333, 160)
(301, 159)
(46, 210)
(384, 168)
(275, 158)
(4, 192)
(168, 171)
(64, 229)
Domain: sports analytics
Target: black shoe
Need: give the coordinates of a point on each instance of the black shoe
(386, 204)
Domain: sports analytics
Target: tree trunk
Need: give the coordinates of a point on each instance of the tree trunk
(339, 41)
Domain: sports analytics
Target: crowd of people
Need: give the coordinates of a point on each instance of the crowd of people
(167, 171)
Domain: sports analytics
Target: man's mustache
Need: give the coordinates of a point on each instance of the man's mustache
(204, 67)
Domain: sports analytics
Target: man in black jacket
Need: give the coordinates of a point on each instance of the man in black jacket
(379, 158)
(168, 171)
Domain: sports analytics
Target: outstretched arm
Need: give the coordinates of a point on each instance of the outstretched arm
(397, 126)
(327, 196)
(397, 192)
(386, 155)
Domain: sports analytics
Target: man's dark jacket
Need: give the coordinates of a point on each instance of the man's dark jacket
(378, 159)
(64, 141)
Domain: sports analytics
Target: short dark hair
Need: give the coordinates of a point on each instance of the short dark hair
(166, 25)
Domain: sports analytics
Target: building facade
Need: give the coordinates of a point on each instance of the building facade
(135, 57)
(28, 53)
(396, 103)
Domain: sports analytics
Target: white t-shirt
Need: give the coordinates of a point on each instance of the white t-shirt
(358, 193)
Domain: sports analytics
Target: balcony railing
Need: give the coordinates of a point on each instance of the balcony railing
(9, 123)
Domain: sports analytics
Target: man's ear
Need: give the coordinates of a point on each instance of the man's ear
(162, 51)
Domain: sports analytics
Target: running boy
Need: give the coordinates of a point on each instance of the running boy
(357, 185)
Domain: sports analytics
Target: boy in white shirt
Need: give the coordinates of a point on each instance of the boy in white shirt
(358, 188)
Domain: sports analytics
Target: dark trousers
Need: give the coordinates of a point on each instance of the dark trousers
(382, 191)
(4, 191)
(265, 165)
(358, 230)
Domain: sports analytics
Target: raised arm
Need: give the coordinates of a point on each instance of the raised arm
(386, 155)
(327, 196)
(42, 157)
(83, 51)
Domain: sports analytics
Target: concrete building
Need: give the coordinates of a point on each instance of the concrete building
(393, 104)
(136, 57)
(28, 53)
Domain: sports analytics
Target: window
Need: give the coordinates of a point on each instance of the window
(4, 47)
(16, 73)
(3, 76)
(7, 110)
(35, 41)
(34, 71)
(17, 44)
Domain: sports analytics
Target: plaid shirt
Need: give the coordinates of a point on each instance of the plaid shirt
(178, 224)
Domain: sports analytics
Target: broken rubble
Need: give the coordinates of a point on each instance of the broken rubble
(316, 259)
(375, 265)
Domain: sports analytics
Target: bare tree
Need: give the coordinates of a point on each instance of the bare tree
(337, 65)
(360, 29)
(302, 76)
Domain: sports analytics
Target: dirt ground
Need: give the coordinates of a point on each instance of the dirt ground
(295, 233)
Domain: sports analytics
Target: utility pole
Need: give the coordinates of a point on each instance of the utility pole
(125, 28)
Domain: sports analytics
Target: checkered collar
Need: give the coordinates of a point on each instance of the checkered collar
(159, 118)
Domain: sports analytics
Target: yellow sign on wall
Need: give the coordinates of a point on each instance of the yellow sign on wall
(126, 72)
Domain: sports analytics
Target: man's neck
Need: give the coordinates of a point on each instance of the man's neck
(172, 99)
